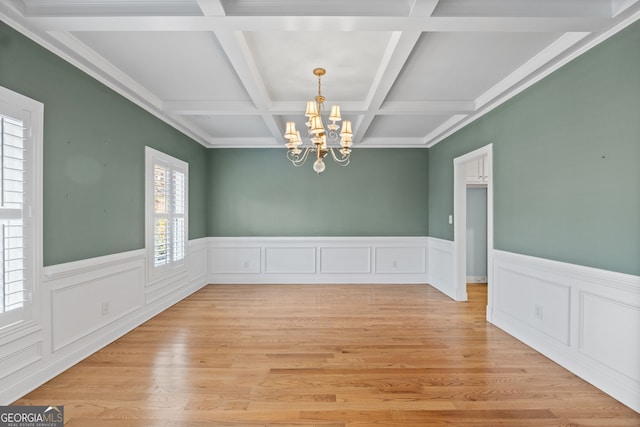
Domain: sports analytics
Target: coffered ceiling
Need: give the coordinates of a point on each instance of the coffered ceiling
(231, 73)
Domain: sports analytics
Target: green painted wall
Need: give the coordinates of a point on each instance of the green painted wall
(257, 192)
(94, 143)
(566, 162)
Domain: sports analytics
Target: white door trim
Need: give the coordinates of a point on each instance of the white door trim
(460, 222)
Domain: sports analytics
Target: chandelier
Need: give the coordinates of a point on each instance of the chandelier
(319, 133)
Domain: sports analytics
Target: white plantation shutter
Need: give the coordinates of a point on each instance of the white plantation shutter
(160, 215)
(167, 179)
(12, 224)
(179, 236)
(19, 257)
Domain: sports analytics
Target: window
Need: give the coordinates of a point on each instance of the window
(20, 206)
(167, 216)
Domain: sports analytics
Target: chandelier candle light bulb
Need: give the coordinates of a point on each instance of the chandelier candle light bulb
(319, 134)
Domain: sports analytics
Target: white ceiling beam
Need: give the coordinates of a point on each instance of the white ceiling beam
(423, 7)
(245, 142)
(619, 6)
(17, 5)
(237, 50)
(246, 108)
(393, 142)
(444, 127)
(106, 7)
(200, 108)
(398, 51)
(296, 107)
(382, 142)
(539, 8)
(211, 7)
(320, 23)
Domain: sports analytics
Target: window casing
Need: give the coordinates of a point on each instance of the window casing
(166, 213)
(21, 123)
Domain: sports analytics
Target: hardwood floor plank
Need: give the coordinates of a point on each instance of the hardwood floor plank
(324, 355)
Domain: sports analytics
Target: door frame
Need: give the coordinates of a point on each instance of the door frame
(460, 223)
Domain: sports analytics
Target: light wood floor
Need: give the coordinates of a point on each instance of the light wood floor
(325, 355)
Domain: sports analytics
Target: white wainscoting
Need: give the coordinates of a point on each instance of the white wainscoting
(83, 303)
(585, 319)
(86, 305)
(18, 353)
(442, 271)
(318, 260)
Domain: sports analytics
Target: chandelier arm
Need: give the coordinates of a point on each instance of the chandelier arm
(332, 135)
(342, 162)
(299, 160)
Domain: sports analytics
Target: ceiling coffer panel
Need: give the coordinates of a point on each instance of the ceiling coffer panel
(111, 8)
(232, 126)
(415, 126)
(515, 8)
(172, 65)
(286, 62)
(449, 66)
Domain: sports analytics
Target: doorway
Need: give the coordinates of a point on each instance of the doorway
(460, 210)
(476, 231)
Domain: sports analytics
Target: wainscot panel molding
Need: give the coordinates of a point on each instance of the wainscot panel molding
(355, 260)
(258, 260)
(441, 266)
(289, 260)
(82, 305)
(86, 305)
(197, 260)
(585, 319)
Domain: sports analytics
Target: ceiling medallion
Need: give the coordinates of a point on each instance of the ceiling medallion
(319, 133)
